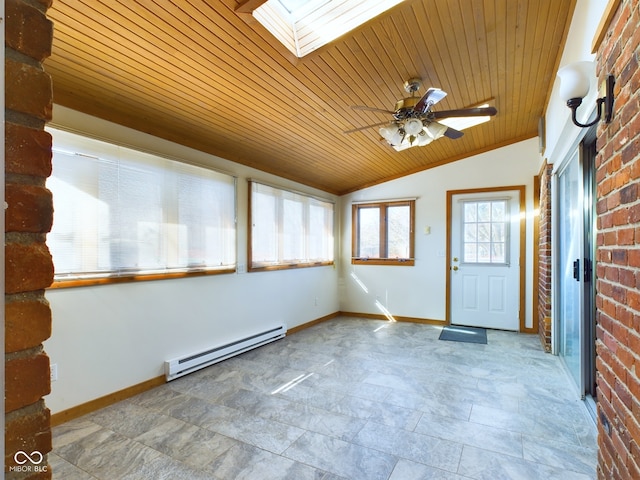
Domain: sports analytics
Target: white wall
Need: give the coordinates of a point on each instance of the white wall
(419, 291)
(562, 135)
(110, 337)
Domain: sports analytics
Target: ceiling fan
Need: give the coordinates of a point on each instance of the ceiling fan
(415, 123)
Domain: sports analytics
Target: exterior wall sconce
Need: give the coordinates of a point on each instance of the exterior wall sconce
(574, 86)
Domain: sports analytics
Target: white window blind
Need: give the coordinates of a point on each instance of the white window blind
(289, 229)
(118, 211)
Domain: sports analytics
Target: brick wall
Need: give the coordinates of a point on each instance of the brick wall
(618, 256)
(544, 258)
(28, 265)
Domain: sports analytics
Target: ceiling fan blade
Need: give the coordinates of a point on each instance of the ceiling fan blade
(371, 109)
(364, 128)
(431, 97)
(466, 112)
(453, 133)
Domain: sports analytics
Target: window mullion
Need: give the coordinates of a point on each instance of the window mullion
(383, 231)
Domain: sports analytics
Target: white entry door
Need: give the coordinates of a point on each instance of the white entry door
(485, 255)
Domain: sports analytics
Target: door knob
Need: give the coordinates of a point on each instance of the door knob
(454, 268)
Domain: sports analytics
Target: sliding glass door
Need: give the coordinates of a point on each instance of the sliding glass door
(569, 247)
(575, 295)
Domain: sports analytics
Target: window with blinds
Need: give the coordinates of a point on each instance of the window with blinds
(119, 212)
(288, 229)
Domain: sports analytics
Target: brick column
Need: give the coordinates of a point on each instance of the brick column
(544, 258)
(29, 213)
(618, 255)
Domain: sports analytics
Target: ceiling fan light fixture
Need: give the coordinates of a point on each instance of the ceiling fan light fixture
(414, 123)
(388, 132)
(436, 130)
(398, 137)
(423, 139)
(413, 126)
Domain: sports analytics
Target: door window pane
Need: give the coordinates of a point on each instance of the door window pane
(485, 232)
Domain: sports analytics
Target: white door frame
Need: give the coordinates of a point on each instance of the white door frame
(521, 259)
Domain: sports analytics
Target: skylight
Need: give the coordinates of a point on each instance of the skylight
(306, 25)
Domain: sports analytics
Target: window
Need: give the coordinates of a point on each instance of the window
(486, 230)
(383, 233)
(122, 213)
(306, 25)
(288, 229)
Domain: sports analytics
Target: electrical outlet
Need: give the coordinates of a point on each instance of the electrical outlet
(315, 302)
(53, 371)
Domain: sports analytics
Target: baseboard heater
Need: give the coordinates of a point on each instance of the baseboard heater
(179, 367)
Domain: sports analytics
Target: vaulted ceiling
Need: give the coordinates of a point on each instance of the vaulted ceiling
(203, 74)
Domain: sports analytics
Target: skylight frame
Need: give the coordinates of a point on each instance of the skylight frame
(318, 22)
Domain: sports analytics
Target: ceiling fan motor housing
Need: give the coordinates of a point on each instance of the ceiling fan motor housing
(404, 107)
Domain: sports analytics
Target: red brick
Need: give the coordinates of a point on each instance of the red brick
(633, 258)
(618, 369)
(622, 392)
(27, 151)
(624, 316)
(28, 30)
(627, 277)
(27, 323)
(611, 343)
(634, 387)
(610, 237)
(28, 90)
(28, 430)
(621, 217)
(619, 294)
(613, 201)
(27, 381)
(626, 236)
(27, 267)
(29, 208)
(632, 465)
(619, 256)
(608, 307)
(634, 213)
(633, 299)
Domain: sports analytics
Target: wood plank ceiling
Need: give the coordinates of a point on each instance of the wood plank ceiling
(199, 73)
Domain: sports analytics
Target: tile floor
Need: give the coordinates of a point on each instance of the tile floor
(347, 399)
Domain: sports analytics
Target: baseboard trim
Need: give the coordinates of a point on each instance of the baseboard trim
(377, 316)
(304, 326)
(93, 405)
